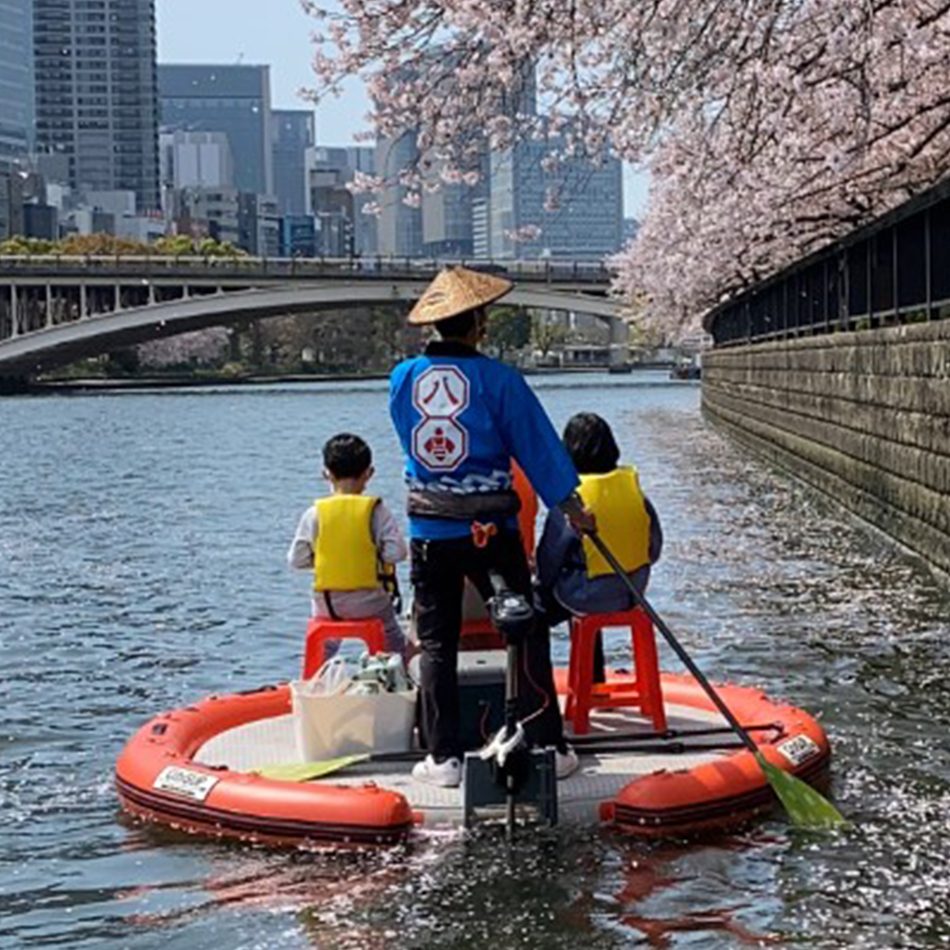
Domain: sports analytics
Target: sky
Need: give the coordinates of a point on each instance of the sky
(277, 32)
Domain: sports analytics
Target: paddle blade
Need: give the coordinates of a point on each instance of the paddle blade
(308, 771)
(805, 806)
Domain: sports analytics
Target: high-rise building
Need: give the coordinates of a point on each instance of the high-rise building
(195, 159)
(447, 221)
(258, 224)
(16, 79)
(587, 222)
(362, 158)
(332, 203)
(11, 203)
(96, 94)
(399, 225)
(439, 224)
(234, 100)
(298, 236)
(16, 108)
(209, 212)
(342, 228)
(292, 133)
(41, 221)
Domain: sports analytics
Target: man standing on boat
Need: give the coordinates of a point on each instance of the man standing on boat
(461, 418)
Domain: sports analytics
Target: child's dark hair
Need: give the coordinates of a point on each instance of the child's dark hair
(590, 444)
(346, 456)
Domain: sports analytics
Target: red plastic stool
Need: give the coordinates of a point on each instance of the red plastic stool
(642, 691)
(319, 630)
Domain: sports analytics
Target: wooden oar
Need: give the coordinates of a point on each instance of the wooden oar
(805, 806)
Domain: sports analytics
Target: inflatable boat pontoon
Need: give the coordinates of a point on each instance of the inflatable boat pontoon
(195, 769)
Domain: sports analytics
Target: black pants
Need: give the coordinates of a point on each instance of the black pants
(439, 569)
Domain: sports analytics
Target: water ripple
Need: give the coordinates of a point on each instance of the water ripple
(141, 542)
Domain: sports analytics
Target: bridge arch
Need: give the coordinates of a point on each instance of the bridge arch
(26, 354)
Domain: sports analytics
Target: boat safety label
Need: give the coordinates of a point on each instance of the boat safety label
(178, 781)
(440, 441)
(798, 749)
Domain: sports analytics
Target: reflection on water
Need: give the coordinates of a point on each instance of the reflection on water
(468, 892)
(141, 542)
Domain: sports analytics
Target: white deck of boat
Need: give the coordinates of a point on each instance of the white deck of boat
(269, 742)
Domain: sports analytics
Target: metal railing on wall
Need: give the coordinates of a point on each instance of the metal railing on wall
(895, 270)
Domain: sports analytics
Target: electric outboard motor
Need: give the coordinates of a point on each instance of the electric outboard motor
(506, 770)
(512, 616)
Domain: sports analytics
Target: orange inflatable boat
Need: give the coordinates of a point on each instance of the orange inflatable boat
(196, 768)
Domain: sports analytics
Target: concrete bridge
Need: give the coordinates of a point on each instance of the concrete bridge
(55, 310)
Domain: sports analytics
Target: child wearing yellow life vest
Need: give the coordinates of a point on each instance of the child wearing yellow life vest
(573, 576)
(351, 541)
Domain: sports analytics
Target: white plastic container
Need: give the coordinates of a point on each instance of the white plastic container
(330, 722)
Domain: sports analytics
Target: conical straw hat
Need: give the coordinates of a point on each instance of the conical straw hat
(455, 290)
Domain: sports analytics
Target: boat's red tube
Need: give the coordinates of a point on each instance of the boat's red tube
(731, 790)
(157, 780)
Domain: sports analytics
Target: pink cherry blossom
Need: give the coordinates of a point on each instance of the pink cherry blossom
(527, 232)
(198, 348)
(769, 127)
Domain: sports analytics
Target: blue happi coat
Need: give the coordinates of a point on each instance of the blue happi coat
(461, 418)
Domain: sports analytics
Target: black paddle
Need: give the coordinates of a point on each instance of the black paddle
(309, 771)
(597, 738)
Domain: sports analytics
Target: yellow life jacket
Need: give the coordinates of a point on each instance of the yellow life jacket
(622, 520)
(345, 555)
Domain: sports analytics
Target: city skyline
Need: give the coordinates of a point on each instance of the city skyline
(222, 32)
(129, 128)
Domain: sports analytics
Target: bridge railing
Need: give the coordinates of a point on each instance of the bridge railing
(381, 267)
(896, 270)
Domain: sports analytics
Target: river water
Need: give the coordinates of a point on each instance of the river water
(142, 541)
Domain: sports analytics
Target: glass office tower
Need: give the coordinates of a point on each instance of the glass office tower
(16, 105)
(293, 133)
(96, 93)
(234, 100)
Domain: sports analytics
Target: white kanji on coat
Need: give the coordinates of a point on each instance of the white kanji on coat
(441, 392)
(440, 395)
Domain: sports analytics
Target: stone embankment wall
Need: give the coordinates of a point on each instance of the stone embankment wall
(863, 416)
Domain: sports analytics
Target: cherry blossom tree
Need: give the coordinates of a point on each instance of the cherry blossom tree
(197, 348)
(769, 127)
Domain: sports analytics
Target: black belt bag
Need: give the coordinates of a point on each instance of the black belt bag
(474, 506)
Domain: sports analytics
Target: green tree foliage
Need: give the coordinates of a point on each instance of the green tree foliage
(546, 335)
(101, 245)
(356, 340)
(509, 328)
(108, 245)
(209, 247)
(22, 246)
(174, 245)
(124, 362)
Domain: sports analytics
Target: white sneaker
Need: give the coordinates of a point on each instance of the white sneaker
(447, 774)
(566, 763)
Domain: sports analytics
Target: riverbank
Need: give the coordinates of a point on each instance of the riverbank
(193, 382)
(184, 381)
